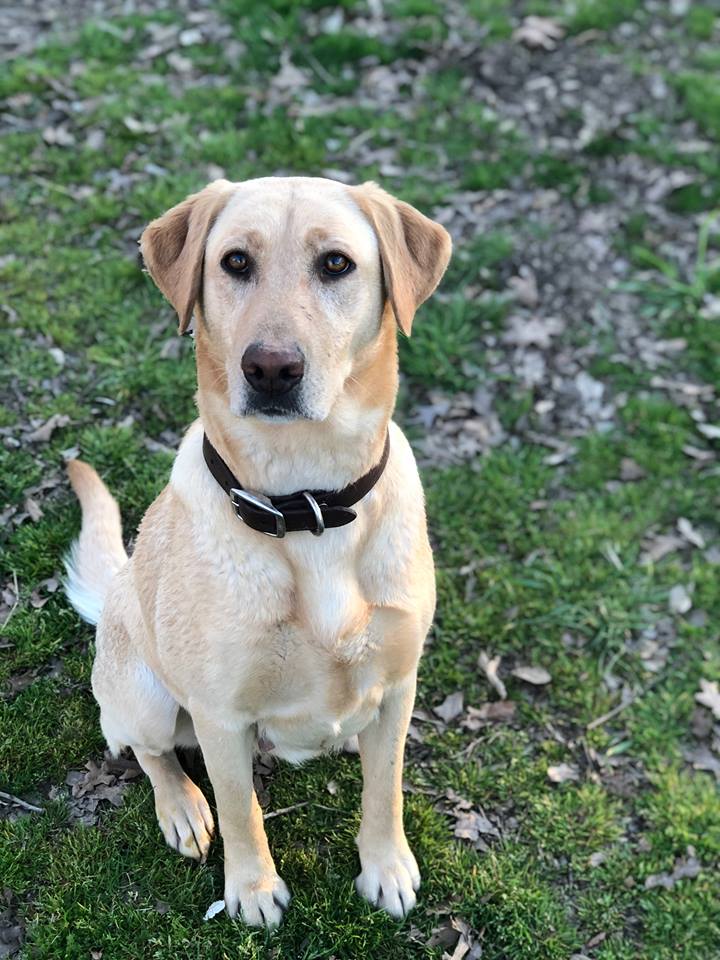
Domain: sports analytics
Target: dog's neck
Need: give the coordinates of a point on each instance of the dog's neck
(281, 458)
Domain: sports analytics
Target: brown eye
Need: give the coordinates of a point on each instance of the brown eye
(236, 262)
(336, 264)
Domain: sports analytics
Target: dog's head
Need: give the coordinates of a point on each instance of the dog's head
(288, 279)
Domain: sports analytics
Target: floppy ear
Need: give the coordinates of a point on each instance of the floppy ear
(173, 246)
(414, 250)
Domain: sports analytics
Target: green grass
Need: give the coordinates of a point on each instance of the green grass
(536, 563)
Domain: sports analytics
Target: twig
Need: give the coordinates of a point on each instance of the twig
(20, 803)
(278, 813)
(297, 806)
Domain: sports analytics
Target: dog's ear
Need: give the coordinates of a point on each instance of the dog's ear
(414, 250)
(173, 246)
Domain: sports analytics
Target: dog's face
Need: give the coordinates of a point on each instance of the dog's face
(292, 291)
(291, 276)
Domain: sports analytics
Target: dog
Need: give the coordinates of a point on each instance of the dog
(282, 585)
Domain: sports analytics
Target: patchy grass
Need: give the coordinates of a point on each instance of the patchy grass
(540, 564)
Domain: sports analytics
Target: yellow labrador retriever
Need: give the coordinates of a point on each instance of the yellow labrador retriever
(282, 583)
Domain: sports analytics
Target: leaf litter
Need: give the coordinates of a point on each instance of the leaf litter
(686, 868)
(104, 782)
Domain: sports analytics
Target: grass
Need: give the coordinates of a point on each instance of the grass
(539, 564)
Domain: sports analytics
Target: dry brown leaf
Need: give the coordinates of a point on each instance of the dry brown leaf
(630, 470)
(679, 599)
(451, 707)
(490, 666)
(702, 758)
(657, 546)
(563, 772)
(697, 453)
(58, 137)
(524, 287)
(33, 509)
(539, 33)
(537, 676)
(526, 331)
(497, 711)
(43, 433)
(709, 696)
(685, 869)
(688, 531)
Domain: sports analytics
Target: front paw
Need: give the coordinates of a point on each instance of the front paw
(260, 898)
(389, 879)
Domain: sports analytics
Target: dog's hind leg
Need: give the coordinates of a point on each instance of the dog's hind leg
(137, 710)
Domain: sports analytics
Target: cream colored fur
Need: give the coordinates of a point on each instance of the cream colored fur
(215, 634)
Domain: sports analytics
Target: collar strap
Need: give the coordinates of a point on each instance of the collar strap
(313, 510)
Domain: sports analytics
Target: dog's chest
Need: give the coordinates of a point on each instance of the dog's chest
(299, 645)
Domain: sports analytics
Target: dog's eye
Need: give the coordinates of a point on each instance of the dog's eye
(336, 264)
(236, 262)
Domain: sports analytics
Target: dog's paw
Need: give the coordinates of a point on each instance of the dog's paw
(185, 820)
(261, 901)
(389, 880)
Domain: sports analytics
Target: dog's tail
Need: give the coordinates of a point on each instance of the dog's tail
(98, 553)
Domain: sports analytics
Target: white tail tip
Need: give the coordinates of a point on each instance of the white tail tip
(85, 600)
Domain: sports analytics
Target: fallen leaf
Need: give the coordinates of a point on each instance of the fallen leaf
(709, 696)
(703, 759)
(451, 707)
(91, 786)
(471, 825)
(33, 509)
(539, 33)
(58, 137)
(657, 546)
(537, 676)
(563, 772)
(630, 470)
(524, 287)
(524, 331)
(497, 711)
(685, 869)
(190, 37)
(702, 723)
(697, 453)
(595, 941)
(459, 935)
(679, 599)
(179, 63)
(444, 936)
(686, 529)
(490, 667)
(12, 933)
(43, 433)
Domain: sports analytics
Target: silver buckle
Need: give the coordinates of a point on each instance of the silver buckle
(319, 521)
(262, 503)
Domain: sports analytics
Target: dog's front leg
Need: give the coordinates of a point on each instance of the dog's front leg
(389, 875)
(252, 884)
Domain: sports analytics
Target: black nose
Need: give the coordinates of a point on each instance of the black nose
(272, 371)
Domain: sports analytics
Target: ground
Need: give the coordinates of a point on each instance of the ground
(561, 393)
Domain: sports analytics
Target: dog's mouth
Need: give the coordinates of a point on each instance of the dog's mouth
(281, 408)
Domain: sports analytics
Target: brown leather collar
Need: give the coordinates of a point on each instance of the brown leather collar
(312, 510)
